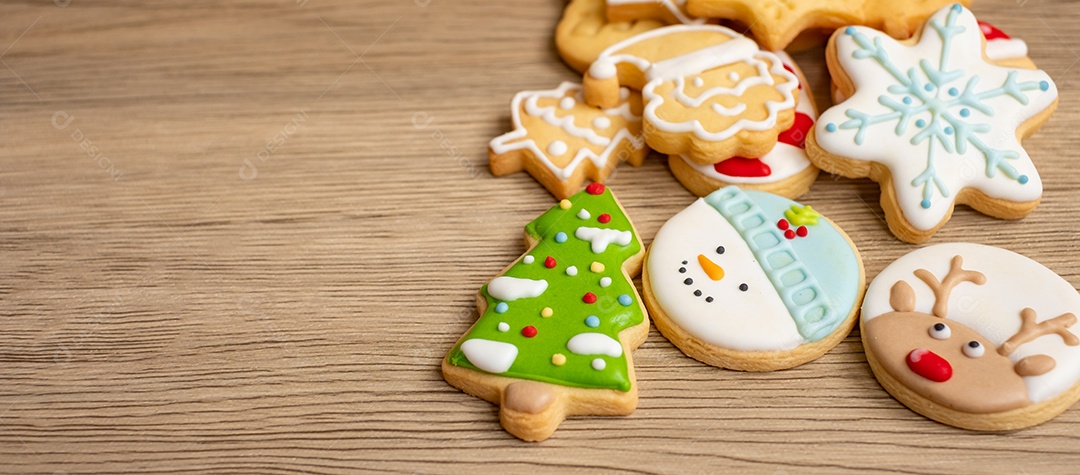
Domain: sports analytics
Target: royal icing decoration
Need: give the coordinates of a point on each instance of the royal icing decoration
(999, 46)
(937, 114)
(552, 328)
(724, 271)
(974, 328)
(760, 95)
(786, 159)
(562, 133)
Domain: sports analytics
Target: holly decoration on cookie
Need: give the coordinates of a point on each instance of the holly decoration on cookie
(558, 314)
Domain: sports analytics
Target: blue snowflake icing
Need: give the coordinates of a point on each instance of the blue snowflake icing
(936, 90)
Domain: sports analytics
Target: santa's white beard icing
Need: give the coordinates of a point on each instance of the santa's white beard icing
(750, 271)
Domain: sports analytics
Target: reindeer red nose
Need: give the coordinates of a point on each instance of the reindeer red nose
(929, 365)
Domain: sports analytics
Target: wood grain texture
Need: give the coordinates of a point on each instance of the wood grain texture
(165, 307)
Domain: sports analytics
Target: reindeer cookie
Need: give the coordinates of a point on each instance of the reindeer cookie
(785, 170)
(974, 336)
(561, 141)
(751, 281)
(934, 122)
(710, 94)
(557, 326)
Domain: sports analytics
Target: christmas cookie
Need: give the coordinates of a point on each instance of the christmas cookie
(974, 336)
(584, 31)
(784, 171)
(557, 326)
(669, 11)
(775, 23)
(752, 281)
(933, 122)
(561, 141)
(709, 93)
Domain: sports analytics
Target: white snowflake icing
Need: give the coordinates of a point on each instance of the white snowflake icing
(938, 115)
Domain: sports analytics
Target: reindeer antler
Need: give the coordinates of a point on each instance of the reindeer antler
(1030, 330)
(942, 289)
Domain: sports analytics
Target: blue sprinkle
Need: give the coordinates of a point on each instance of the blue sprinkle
(954, 91)
(925, 204)
(948, 130)
(592, 321)
(831, 127)
(956, 7)
(502, 307)
(560, 238)
(1044, 85)
(625, 300)
(928, 87)
(850, 30)
(907, 100)
(964, 112)
(920, 123)
(1023, 179)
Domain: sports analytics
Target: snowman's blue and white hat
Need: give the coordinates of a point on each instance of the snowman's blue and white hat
(810, 262)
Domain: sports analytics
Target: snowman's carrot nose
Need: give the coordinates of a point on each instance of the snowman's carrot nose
(712, 269)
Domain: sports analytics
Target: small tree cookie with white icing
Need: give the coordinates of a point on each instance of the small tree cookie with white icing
(974, 336)
(709, 93)
(752, 281)
(561, 141)
(934, 122)
(557, 327)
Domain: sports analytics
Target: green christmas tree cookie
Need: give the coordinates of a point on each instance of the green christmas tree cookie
(557, 327)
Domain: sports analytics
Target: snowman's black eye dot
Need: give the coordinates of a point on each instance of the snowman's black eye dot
(688, 281)
(708, 299)
(939, 326)
(743, 287)
(682, 270)
(720, 250)
(684, 263)
(697, 293)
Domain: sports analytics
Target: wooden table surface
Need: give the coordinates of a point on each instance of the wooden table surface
(239, 237)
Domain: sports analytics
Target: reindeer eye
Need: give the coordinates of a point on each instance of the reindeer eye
(940, 331)
(974, 349)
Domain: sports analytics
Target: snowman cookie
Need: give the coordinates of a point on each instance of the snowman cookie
(561, 141)
(785, 170)
(934, 122)
(752, 281)
(557, 327)
(709, 93)
(974, 336)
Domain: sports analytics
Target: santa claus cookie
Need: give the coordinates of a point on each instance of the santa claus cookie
(561, 141)
(709, 93)
(584, 31)
(557, 326)
(933, 122)
(775, 23)
(974, 336)
(669, 11)
(784, 171)
(752, 281)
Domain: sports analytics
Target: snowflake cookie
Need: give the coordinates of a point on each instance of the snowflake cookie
(752, 281)
(710, 93)
(934, 122)
(785, 170)
(561, 141)
(557, 327)
(974, 336)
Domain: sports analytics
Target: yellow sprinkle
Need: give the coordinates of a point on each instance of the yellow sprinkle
(546, 312)
(558, 359)
(597, 267)
(564, 204)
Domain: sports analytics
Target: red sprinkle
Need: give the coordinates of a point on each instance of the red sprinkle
(549, 262)
(604, 218)
(790, 234)
(589, 297)
(594, 188)
(529, 331)
(783, 224)
(802, 231)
